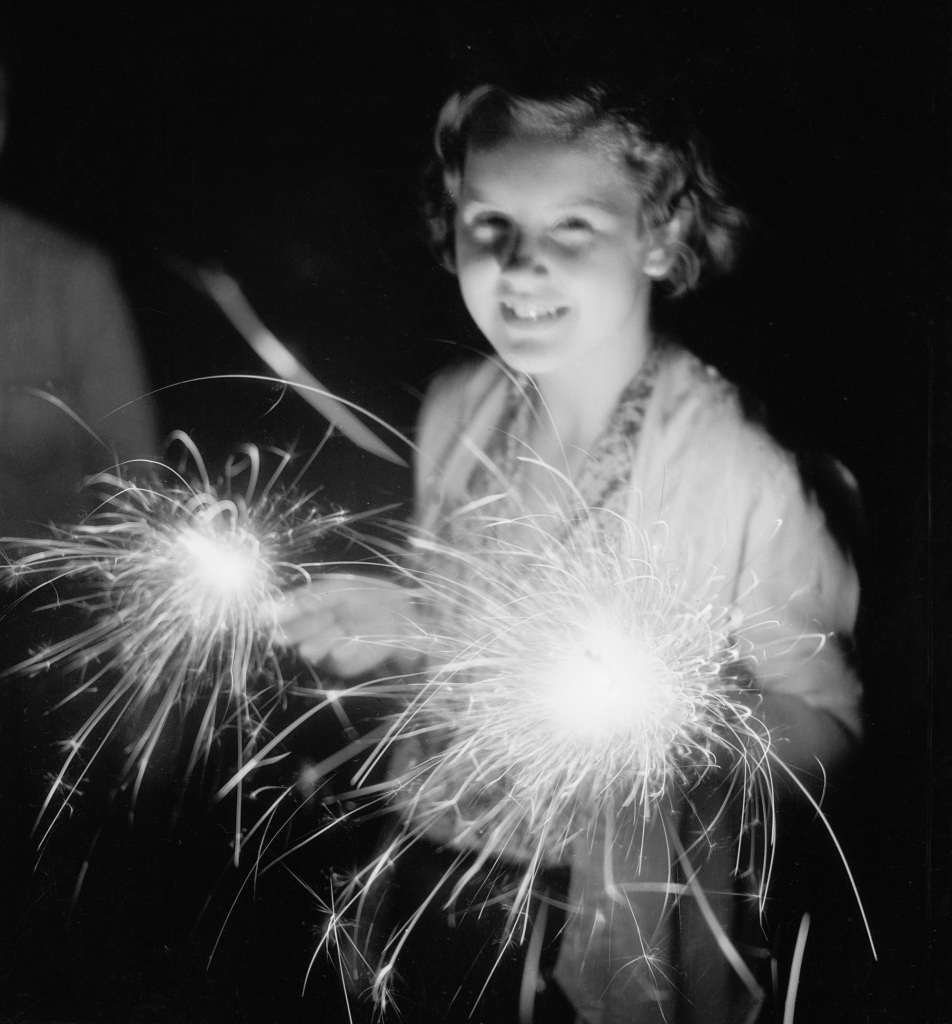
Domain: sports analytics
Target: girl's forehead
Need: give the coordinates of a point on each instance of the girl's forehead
(547, 170)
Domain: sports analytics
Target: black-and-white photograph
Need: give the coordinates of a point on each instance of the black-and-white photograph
(473, 499)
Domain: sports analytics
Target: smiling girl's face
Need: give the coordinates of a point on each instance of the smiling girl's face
(552, 262)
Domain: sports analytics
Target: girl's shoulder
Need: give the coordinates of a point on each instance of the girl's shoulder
(690, 392)
(686, 385)
(696, 410)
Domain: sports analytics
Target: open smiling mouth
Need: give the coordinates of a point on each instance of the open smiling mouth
(531, 312)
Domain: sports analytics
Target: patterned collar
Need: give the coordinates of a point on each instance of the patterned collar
(607, 472)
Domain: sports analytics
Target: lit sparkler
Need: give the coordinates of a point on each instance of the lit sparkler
(570, 681)
(569, 672)
(181, 578)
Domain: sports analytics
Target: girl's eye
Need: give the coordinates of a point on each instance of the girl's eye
(488, 227)
(574, 229)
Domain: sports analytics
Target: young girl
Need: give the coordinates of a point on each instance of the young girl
(560, 217)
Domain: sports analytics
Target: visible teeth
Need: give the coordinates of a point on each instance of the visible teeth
(530, 311)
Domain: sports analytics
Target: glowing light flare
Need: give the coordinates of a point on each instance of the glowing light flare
(223, 566)
(609, 687)
(572, 684)
(181, 576)
(575, 675)
(573, 680)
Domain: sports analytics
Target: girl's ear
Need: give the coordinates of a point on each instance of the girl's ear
(663, 250)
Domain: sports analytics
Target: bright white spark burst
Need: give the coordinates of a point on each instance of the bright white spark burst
(568, 674)
(569, 679)
(607, 683)
(566, 678)
(181, 579)
(223, 565)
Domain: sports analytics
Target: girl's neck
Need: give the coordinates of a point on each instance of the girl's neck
(577, 406)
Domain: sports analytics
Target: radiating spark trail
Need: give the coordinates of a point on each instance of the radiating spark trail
(569, 681)
(566, 674)
(181, 577)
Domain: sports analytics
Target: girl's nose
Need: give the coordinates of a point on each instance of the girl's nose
(522, 252)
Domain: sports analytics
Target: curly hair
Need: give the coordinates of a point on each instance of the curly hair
(670, 172)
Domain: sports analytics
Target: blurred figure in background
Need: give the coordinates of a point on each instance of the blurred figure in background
(67, 345)
(73, 402)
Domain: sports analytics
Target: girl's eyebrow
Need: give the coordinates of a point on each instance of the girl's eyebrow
(593, 202)
(472, 196)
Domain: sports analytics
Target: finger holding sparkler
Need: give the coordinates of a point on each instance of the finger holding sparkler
(351, 624)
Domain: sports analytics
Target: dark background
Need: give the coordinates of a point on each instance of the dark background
(284, 142)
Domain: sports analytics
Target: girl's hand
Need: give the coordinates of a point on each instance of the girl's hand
(349, 624)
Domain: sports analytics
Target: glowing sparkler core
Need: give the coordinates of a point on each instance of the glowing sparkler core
(608, 686)
(222, 567)
(583, 675)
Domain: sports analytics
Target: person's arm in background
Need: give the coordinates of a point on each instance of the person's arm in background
(108, 363)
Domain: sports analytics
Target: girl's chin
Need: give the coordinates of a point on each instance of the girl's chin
(534, 365)
(530, 356)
